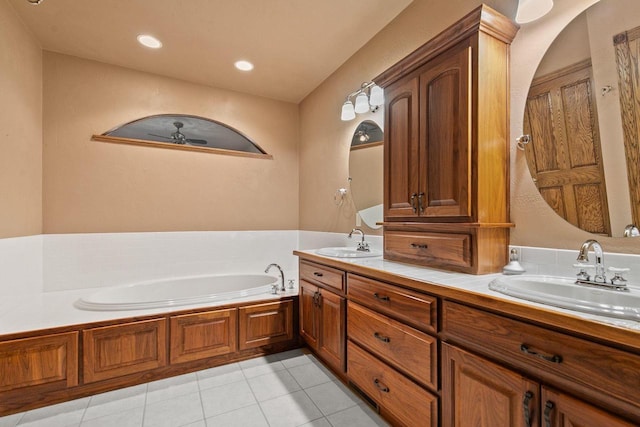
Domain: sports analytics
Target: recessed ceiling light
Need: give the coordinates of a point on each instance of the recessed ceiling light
(244, 65)
(149, 41)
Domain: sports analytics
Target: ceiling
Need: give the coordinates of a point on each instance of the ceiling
(294, 44)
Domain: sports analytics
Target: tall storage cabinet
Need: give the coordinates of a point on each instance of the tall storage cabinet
(446, 193)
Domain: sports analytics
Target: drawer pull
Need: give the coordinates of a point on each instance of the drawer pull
(525, 407)
(419, 246)
(547, 413)
(383, 388)
(381, 297)
(554, 358)
(315, 273)
(381, 337)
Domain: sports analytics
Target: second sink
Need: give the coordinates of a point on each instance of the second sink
(347, 252)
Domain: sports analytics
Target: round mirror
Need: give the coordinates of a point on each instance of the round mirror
(583, 118)
(365, 172)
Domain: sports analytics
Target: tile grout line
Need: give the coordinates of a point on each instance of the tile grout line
(255, 397)
(310, 399)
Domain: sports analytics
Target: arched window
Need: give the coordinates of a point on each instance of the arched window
(184, 132)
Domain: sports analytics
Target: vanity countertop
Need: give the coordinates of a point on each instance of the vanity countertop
(474, 290)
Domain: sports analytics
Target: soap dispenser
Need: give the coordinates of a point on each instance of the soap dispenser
(514, 266)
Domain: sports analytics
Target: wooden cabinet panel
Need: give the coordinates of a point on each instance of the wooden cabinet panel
(113, 351)
(321, 274)
(309, 321)
(401, 149)
(582, 366)
(265, 324)
(201, 335)
(403, 399)
(476, 392)
(445, 176)
(435, 248)
(561, 410)
(331, 346)
(412, 352)
(410, 307)
(50, 361)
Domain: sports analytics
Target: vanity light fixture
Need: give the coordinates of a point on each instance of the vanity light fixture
(149, 41)
(530, 10)
(368, 98)
(243, 65)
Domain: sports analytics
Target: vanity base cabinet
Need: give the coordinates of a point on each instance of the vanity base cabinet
(480, 393)
(323, 313)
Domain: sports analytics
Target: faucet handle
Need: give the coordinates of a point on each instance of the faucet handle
(274, 289)
(582, 273)
(617, 279)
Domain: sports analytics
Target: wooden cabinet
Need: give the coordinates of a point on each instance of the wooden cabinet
(596, 373)
(446, 148)
(322, 323)
(49, 362)
(114, 351)
(322, 312)
(201, 335)
(481, 393)
(265, 324)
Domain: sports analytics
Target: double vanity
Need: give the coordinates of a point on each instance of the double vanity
(434, 348)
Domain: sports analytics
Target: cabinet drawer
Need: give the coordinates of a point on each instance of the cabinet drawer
(118, 350)
(401, 397)
(50, 361)
(410, 307)
(201, 335)
(439, 248)
(408, 350)
(569, 362)
(265, 324)
(316, 273)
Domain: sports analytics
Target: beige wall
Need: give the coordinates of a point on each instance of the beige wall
(20, 128)
(94, 186)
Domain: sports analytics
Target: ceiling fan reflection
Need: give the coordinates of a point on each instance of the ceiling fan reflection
(178, 137)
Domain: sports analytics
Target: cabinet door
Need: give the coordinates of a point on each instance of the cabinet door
(265, 324)
(309, 323)
(202, 335)
(401, 149)
(479, 393)
(445, 155)
(560, 410)
(332, 329)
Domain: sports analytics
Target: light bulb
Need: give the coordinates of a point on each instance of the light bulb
(362, 103)
(348, 112)
(530, 10)
(376, 96)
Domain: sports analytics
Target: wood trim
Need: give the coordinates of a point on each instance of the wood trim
(367, 145)
(141, 142)
(570, 69)
(483, 18)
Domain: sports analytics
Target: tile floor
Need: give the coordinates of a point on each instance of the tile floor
(285, 389)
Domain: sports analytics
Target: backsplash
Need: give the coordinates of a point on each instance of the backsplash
(74, 261)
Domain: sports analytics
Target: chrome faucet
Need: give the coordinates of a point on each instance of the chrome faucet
(362, 245)
(282, 288)
(583, 257)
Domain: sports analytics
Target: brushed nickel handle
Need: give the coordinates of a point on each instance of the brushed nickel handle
(525, 407)
(554, 358)
(419, 246)
(381, 297)
(383, 388)
(381, 337)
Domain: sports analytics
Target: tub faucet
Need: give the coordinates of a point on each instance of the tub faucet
(362, 245)
(282, 288)
(583, 257)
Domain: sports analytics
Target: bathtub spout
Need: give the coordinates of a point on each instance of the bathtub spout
(282, 288)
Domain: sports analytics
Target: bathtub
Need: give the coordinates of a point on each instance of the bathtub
(177, 291)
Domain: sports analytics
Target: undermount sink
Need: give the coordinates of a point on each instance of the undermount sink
(563, 292)
(347, 252)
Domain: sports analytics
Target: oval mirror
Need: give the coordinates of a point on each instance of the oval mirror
(584, 123)
(365, 172)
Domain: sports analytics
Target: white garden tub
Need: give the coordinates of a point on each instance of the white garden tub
(178, 291)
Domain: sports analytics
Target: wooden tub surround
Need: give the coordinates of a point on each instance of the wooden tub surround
(431, 354)
(39, 368)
